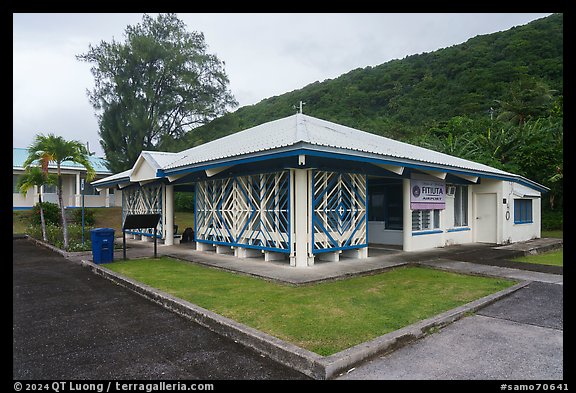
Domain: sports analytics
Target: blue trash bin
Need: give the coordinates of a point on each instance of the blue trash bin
(102, 245)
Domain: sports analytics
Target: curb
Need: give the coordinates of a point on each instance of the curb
(65, 254)
(302, 360)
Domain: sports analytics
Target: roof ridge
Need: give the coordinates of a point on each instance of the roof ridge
(302, 134)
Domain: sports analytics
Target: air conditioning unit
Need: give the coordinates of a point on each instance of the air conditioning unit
(450, 191)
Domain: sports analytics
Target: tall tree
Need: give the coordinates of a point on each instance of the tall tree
(527, 98)
(51, 148)
(36, 177)
(159, 83)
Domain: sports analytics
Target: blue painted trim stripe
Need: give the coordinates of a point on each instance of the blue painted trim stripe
(459, 229)
(158, 236)
(320, 251)
(112, 182)
(427, 232)
(340, 156)
(280, 250)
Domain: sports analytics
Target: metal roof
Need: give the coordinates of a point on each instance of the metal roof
(159, 159)
(309, 130)
(19, 155)
(301, 131)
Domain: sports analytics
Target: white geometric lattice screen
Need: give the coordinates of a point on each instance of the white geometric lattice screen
(339, 211)
(145, 199)
(248, 211)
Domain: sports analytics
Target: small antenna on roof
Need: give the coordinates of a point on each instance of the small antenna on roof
(300, 109)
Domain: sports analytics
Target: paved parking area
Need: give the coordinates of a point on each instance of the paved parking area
(517, 338)
(71, 324)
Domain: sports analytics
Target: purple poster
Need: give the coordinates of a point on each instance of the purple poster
(427, 194)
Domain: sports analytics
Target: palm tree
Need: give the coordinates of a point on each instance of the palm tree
(527, 98)
(51, 148)
(34, 176)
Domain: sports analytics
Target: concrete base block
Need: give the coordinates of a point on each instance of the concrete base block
(148, 239)
(241, 252)
(223, 250)
(273, 256)
(309, 261)
(177, 239)
(359, 253)
(329, 256)
(136, 237)
(204, 247)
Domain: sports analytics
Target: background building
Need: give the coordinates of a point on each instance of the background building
(72, 173)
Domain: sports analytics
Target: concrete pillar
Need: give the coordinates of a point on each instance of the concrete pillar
(357, 253)
(301, 217)
(241, 252)
(273, 256)
(406, 216)
(223, 249)
(107, 197)
(333, 256)
(204, 247)
(169, 212)
(78, 193)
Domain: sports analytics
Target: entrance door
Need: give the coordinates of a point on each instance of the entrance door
(486, 218)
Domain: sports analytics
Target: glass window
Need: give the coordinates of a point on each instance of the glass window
(461, 206)
(425, 219)
(522, 211)
(49, 189)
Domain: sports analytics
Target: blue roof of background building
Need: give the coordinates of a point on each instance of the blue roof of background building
(19, 155)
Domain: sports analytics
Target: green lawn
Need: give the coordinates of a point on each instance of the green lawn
(556, 234)
(324, 318)
(555, 258)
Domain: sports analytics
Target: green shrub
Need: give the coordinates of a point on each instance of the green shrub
(552, 220)
(56, 237)
(184, 201)
(89, 216)
(51, 214)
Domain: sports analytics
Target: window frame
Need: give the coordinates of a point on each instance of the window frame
(461, 204)
(523, 211)
(433, 219)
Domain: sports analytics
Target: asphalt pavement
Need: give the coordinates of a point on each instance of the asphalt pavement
(69, 323)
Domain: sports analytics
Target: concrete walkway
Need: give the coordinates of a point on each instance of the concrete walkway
(481, 259)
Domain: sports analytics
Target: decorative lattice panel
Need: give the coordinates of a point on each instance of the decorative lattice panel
(145, 199)
(248, 211)
(339, 211)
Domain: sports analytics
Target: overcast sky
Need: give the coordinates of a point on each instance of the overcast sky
(265, 55)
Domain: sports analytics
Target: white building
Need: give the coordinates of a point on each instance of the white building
(72, 175)
(302, 189)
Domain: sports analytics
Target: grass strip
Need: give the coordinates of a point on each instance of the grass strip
(553, 258)
(324, 318)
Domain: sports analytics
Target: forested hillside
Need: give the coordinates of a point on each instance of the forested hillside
(496, 99)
